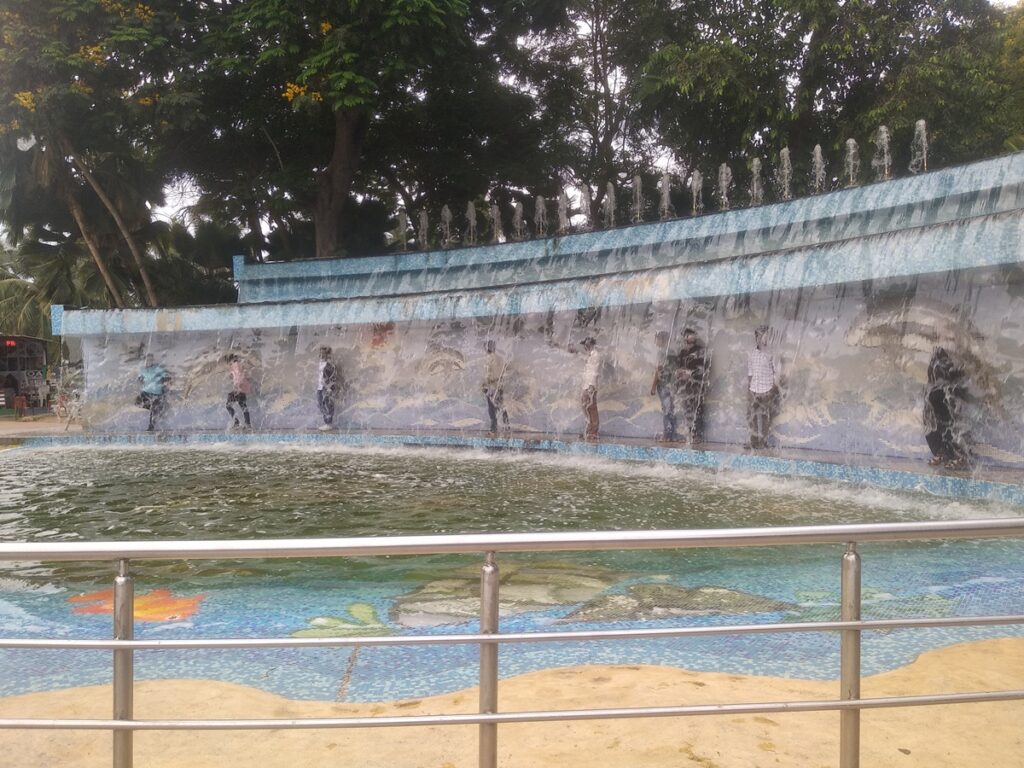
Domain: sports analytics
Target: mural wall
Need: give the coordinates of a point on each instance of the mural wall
(852, 357)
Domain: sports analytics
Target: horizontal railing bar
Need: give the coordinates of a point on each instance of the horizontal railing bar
(511, 542)
(517, 637)
(511, 717)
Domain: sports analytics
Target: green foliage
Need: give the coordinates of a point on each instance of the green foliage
(362, 621)
(316, 122)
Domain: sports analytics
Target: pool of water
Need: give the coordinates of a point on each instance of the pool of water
(227, 491)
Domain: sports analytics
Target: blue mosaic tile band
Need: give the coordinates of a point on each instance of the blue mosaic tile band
(987, 241)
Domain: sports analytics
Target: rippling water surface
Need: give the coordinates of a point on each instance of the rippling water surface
(225, 492)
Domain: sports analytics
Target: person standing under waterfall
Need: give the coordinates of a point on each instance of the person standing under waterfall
(664, 386)
(691, 383)
(153, 379)
(588, 395)
(945, 394)
(326, 387)
(494, 378)
(240, 388)
(762, 390)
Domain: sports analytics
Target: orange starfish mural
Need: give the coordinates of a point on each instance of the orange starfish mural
(158, 605)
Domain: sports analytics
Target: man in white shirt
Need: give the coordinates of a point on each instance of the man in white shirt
(588, 397)
(494, 377)
(762, 386)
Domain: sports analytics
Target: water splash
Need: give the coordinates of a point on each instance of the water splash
(470, 224)
(402, 230)
(882, 160)
(446, 226)
(518, 224)
(638, 200)
(497, 235)
(724, 185)
(563, 213)
(664, 201)
(423, 233)
(587, 204)
(784, 175)
(817, 170)
(919, 148)
(608, 206)
(697, 191)
(851, 164)
(540, 216)
(756, 182)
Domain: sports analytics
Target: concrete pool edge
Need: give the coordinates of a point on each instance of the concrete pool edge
(938, 485)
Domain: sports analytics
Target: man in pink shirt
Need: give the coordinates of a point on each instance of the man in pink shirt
(240, 388)
(763, 389)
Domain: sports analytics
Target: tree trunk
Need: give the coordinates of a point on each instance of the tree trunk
(336, 180)
(101, 265)
(118, 219)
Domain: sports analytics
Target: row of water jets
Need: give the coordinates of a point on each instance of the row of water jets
(881, 164)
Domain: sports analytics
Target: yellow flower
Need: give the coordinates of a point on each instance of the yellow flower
(92, 53)
(26, 99)
(143, 13)
(315, 96)
(293, 90)
(325, 27)
(145, 101)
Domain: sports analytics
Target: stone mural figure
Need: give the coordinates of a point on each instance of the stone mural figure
(692, 381)
(762, 390)
(664, 386)
(239, 394)
(495, 367)
(326, 387)
(944, 398)
(153, 379)
(588, 393)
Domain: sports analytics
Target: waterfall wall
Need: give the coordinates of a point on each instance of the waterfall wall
(857, 286)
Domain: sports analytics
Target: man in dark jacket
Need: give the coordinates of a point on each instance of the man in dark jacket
(692, 381)
(326, 387)
(944, 396)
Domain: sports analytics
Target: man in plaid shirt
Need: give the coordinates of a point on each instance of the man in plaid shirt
(763, 390)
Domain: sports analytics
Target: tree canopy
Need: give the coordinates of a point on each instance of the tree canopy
(305, 128)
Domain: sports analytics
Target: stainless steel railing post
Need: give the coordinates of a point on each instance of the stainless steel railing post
(124, 629)
(849, 653)
(489, 661)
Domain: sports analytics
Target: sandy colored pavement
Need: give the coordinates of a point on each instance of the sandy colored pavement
(34, 426)
(989, 735)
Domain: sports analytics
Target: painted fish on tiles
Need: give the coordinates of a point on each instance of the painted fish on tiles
(158, 605)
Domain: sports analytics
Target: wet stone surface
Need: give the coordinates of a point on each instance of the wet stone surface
(536, 587)
(659, 601)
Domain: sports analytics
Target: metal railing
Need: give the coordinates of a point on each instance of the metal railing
(850, 626)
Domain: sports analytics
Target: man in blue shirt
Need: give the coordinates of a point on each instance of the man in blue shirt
(152, 380)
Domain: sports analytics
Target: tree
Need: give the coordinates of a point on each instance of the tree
(331, 67)
(739, 80)
(67, 81)
(583, 65)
